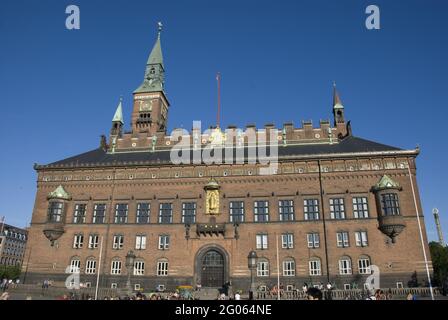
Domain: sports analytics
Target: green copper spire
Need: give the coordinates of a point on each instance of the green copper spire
(118, 117)
(155, 70)
(337, 104)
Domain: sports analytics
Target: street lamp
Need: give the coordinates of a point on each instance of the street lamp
(252, 264)
(130, 258)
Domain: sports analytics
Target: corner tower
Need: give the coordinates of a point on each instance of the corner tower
(150, 110)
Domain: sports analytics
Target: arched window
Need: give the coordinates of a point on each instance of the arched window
(115, 267)
(75, 265)
(289, 267)
(364, 265)
(162, 268)
(139, 267)
(262, 268)
(345, 265)
(90, 266)
(315, 268)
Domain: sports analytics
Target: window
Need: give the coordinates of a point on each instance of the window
(140, 242)
(345, 265)
(139, 268)
(287, 241)
(164, 242)
(113, 286)
(115, 267)
(360, 207)
(261, 241)
(342, 239)
(121, 213)
(91, 266)
(118, 242)
(315, 269)
(286, 210)
(399, 285)
(289, 268)
(261, 211)
(361, 239)
(389, 202)
(347, 286)
(337, 210)
(93, 241)
(143, 212)
(364, 265)
(162, 268)
(236, 211)
(80, 214)
(313, 240)
(189, 212)
(78, 241)
(262, 268)
(166, 213)
(75, 265)
(55, 211)
(137, 287)
(99, 213)
(311, 209)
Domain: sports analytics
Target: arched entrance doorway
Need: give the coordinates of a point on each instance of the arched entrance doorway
(212, 269)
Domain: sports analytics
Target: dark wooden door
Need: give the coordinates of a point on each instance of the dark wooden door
(212, 271)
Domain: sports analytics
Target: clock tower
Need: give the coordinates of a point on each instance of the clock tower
(150, 110)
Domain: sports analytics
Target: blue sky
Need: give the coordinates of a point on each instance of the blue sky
(59, 88)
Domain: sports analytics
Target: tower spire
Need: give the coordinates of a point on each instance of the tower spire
(118, 116)
(337, 103)
(435, 211)
(338, 108)
(218, 79)
(155, 70)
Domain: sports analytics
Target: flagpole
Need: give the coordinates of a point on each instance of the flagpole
(421, 233)
(99, 270)
(218, 79)
(278, 271)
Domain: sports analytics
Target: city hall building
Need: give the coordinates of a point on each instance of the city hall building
(334, 205)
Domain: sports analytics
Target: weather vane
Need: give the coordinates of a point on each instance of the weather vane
(159, 26)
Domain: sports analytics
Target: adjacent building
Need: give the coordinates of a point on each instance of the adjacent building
(12, 245)
(334, 205)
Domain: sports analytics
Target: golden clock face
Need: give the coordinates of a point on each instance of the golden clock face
(145, 105)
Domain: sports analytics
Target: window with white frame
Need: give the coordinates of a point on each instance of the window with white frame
(188, 212)
(121, 213)
(364, 265)
(79, 215)
(99, 213)
(261, 241)
(162, 268)
(164, 242)
(166, 213)
(55, 210)
(289, 268)
(286, 210)
(75, 265)
(93, 241)
(90, 266)
(118, 242)
(78, 241)
(399, 285)
(143, 212)
(360, 207)
(313, 240)
(261, 211)
(236, 211)
(140, 242)
(347, 286)
(342, 239)
(262, 268)
(337, 209)
(139, 268)
(114, 285)
(315, 267)
(311, 209)
(345, 266)
(287, 241)
(361, 239)
(115, 267)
